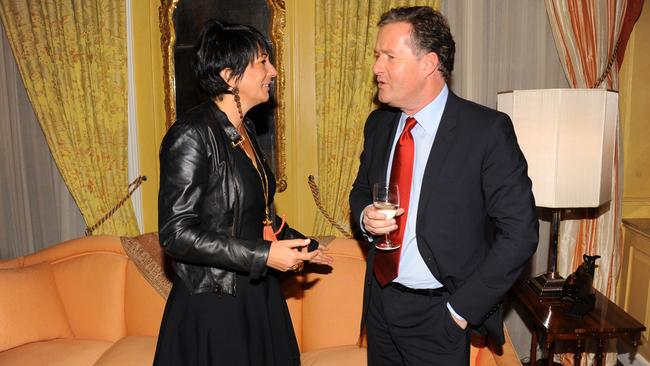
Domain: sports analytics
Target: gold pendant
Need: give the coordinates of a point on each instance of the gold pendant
(267, 221)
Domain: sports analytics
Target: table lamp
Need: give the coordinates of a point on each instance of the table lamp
(567, 137)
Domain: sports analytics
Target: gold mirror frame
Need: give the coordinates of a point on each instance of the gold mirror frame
(167, 42)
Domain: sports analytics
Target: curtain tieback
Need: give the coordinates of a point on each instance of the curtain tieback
(132, 187)
(315, 192)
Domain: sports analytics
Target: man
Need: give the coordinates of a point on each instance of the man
(467, 223)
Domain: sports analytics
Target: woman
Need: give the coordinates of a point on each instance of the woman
(216, 188)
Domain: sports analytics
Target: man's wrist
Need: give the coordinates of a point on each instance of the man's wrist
(457, 318)
(365, 233)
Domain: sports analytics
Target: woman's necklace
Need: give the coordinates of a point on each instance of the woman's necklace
(267, 232)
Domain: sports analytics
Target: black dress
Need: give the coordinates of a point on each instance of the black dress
(252, 328)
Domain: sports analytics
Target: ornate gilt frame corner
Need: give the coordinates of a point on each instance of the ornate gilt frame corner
(278, 26)
(167, 42)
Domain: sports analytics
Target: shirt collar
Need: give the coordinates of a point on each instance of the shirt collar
(429, 116)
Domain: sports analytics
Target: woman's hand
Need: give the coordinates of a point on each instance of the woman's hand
(321, 257)
(284, 255)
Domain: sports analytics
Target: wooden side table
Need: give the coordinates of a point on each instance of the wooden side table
(547, 319)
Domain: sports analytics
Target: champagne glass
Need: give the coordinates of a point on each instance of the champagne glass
(385, 198)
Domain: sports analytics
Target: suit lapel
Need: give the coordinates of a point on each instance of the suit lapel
(439, 149)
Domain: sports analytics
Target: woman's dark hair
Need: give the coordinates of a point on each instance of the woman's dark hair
(225, 46)
(430, 33)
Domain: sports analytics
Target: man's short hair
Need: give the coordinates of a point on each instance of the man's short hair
(430, 33)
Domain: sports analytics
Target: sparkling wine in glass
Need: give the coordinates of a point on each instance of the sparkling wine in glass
(386, 200)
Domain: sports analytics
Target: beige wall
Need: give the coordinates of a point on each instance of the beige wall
(300, 114)
(150, 110)
(635, 119)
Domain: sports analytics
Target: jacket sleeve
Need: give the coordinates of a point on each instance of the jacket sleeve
(184, 172)
(361, 193)
(287, 233)
(508, 199)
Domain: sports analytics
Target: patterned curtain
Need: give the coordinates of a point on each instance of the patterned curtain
(344, 95)
(32, 217)
(588, 39)
(72, 58)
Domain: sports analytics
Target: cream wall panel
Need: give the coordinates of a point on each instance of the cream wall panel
(300, 103)
(635, 114)
(635, 282)
(147, 59)
(639, 285)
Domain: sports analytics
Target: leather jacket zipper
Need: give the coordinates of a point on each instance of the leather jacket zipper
(235, 224)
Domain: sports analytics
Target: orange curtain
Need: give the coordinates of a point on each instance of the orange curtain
(590, 40)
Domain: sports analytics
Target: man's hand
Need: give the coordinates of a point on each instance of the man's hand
(375, 222)
(461, 322)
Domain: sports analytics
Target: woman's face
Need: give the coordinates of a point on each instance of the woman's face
(255, 83)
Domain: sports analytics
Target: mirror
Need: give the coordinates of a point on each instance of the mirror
(180, 24)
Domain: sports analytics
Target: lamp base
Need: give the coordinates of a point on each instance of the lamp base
(547, 285)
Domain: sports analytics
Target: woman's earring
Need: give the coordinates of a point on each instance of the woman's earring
(235, 93)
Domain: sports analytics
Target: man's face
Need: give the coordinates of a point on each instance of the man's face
(400, 74)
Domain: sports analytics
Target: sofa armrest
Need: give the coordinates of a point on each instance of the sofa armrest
(486, 355)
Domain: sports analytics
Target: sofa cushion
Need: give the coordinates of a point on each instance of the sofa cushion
(92, 291)
(292, 290)
(30, 307)
(57, 352)
(147, 286)
(333, 299)
(130, 351)
(143, 306)
(335, 356)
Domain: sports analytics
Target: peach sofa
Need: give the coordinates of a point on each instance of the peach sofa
(86, 302)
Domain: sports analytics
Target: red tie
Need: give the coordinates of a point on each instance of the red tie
(387, 262)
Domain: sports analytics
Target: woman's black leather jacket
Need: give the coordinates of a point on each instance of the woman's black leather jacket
(199, 200)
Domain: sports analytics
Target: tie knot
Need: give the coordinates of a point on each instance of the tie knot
(410, 123)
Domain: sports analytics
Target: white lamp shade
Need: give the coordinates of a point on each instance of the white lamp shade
(567, 137)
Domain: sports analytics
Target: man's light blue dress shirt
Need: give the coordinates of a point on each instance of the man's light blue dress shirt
(413, 272)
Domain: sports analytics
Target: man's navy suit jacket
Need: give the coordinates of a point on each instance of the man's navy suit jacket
(476, 221)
